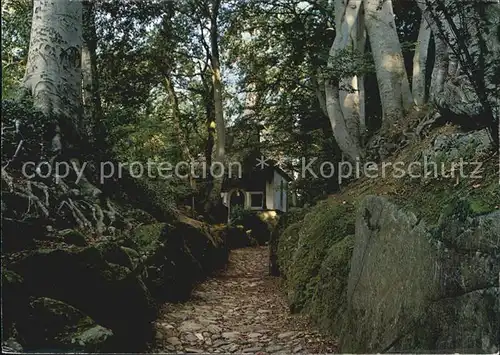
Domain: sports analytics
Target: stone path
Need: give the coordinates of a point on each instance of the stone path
(240, 310)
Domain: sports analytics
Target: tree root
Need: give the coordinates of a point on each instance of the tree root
(426, 123)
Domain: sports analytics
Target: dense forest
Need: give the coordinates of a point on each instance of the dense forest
(251, 176)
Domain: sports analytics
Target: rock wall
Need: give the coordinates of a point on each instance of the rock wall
(412, 287)
(381, 279)
(103, 296)
(293, 216)
(83, 267)
(425, 265)
(313, 257)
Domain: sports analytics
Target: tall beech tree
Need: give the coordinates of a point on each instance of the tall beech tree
(53, 72)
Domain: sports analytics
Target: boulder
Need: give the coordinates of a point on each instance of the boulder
(112, 281)
(73, 237)
(236, 236)
(53, 324)
(20, 234)
(14, 302)
(329, 301)
(106, 290)
(256, 225)
(179, 254)
(285, 220)
(456, 146)
(11, 346)
(416, 288)
(304, 246)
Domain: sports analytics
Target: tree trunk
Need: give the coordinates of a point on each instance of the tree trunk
(441, 56)
(54, 79)
(360, 47)
(440, 70)
(92, 126)
(174, 103)
(53, 72)
(395, 94)
(347, 144)
(319, 89)
(343, 111)
(463, 79)
(209, 146)
(183, 140)
(352, 99)
(420, 62)
(215, 184)
(217, 84)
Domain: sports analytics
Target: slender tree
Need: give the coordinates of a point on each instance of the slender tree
(92, 126)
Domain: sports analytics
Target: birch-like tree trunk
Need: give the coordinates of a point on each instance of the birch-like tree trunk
(420, 63)
(466, 63)
(445, 64)
(360, 47)
(352, 89)
(54, 76)
(343, 109)
(53, 72)
(394, 88)
(440, 70)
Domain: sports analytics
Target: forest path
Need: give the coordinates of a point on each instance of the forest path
(238, 310)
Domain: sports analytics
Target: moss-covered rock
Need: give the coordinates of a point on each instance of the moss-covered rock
(427, 279)
(53, 324)
(114, 253)
(329, 301)
(179, 255)
(14, 301)
(133, 256)
(324, 226)
(287, 246)
(73, 237)
(111, 294)
(463, 226)
(413, 288)
(256, 225)
(140, 216)
(281, 223)
(237, 236)
(147, 237)
(314, 253)
(113, 280)
(20, 234)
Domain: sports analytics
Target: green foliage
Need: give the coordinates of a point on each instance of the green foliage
(251, 222)
(277, 53)
(329, 296)
(147, 236)
(16, 24)
(348, 63)
(240, 214)
(483, 194)
(20, 121)
(144, 47)
(156, 41)
(304, 246)
(287, 244)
